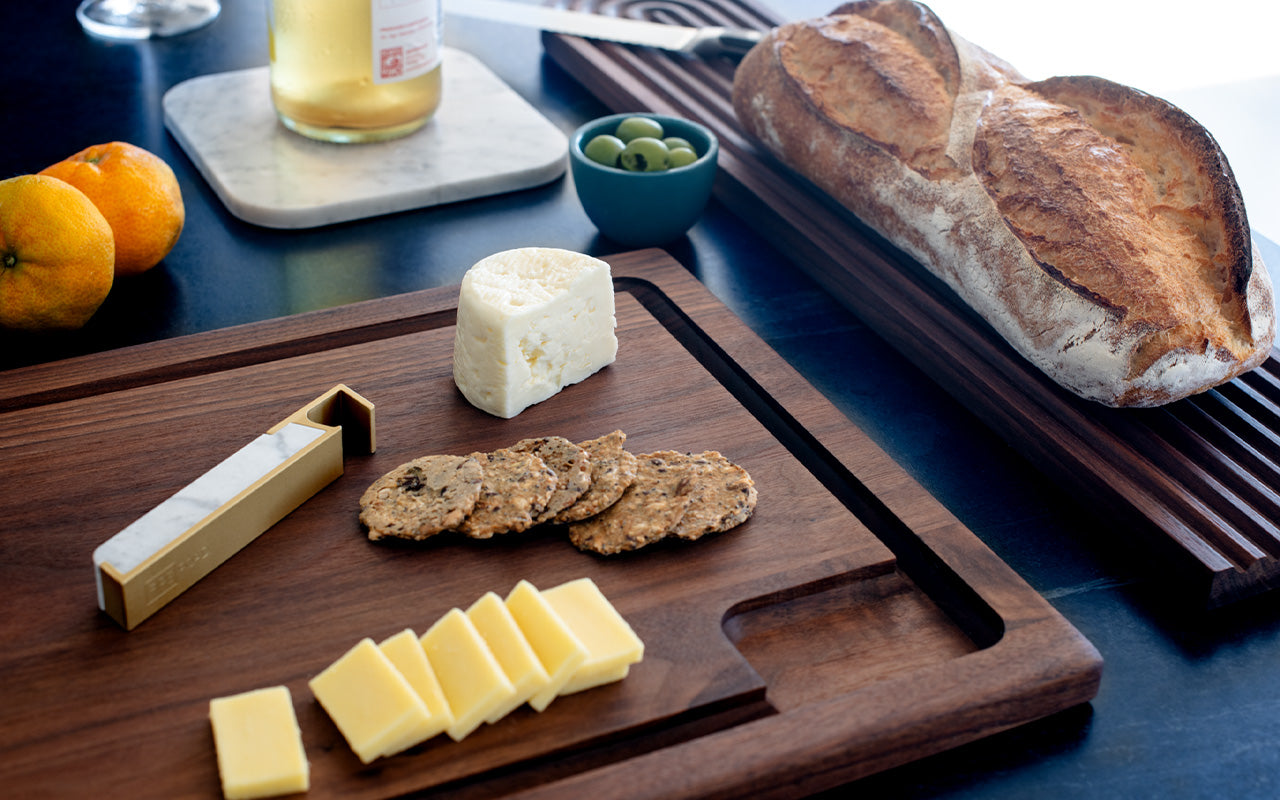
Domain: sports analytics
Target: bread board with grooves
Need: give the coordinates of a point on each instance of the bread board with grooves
(850, 625)
(1193, 485)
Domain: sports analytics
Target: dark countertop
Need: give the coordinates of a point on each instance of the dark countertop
(1186, 707)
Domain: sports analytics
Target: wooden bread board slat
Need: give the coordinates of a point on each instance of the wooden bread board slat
(852, 624)
(1205, 513)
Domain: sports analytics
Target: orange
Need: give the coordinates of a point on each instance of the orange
(138, 194)
(56, 254)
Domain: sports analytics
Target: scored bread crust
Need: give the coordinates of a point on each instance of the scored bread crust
(1098, 229)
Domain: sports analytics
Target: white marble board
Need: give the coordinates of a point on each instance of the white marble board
(271, 176)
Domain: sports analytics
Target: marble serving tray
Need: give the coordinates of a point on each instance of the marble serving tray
(270, 176)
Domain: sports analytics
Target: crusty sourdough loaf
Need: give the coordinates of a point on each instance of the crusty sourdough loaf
(1098, 229)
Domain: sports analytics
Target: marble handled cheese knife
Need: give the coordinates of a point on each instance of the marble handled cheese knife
(165, 551)
(705, 41)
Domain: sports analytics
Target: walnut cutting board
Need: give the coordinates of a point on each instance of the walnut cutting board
(851, 625)
(1195, 484)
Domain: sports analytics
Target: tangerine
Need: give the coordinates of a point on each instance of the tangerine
(56, 254)
(138, 194)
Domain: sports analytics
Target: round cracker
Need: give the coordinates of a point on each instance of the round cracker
(516, 488)
(613, 469)
(723, 496)
(422, 497)
(647, 511)
(572, 466)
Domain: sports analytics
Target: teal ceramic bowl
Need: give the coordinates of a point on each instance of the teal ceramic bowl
(644, 209)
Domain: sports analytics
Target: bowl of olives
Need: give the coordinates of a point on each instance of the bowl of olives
(643, 179)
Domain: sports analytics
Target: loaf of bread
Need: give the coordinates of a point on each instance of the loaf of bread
(1098, 229)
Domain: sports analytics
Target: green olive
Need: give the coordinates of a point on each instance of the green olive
(644, 154)
(636, 127)
(681, 157)
(672, 142)
(604, 149)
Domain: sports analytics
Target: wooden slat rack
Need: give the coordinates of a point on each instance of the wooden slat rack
(1196, 483)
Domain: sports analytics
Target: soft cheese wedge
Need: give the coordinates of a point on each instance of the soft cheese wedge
(612, 646)
(259, 744)
(405, 653)
(512, 650)
(372, 704)
(531, 321)
(471, 677)
(559, 650)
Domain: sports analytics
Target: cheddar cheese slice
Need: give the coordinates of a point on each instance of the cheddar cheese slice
(472, 680)
(259, 744)
(612, 646)
(405, 653)
(372, 704)
(514, 654)
(559, 650)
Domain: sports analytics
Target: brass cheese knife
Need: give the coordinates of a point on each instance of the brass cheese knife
(706, 41)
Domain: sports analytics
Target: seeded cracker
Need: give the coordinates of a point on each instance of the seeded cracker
(612, 470)
(516, 489)
(723, 496)
(647, 511)
(421, 498)
(572, 465)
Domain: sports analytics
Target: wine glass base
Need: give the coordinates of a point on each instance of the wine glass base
(143, 19)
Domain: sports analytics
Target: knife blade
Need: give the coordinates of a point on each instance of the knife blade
(703, 41)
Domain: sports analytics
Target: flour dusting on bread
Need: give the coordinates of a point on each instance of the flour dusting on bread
(1096, 228)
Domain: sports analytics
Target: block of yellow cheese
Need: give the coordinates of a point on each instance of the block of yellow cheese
(508, 644)
(556, 646)
(405, 653)
(472, 680)
(259, 744)
(372, 704)
(612, 646)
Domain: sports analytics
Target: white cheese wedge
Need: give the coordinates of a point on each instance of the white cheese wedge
(531, 321)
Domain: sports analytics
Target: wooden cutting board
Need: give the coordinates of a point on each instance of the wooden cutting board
(1195, 485)
(851, 625)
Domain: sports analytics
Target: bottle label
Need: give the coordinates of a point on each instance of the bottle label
(406, 38)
